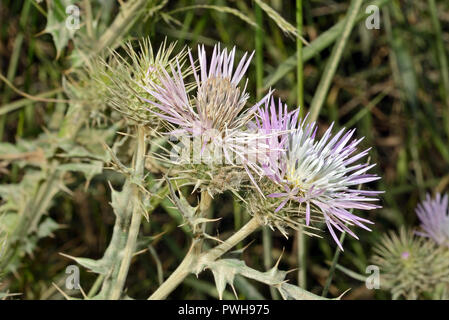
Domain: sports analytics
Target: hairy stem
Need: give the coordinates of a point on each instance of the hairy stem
(213, 254)
(195, 263)
(175, 279)
(136, 219)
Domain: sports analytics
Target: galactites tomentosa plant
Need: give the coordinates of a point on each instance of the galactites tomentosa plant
(298, 179)
(311, 179)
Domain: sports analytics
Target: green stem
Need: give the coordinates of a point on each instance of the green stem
(215, 253)
(130, 248)
(126, 18)
(302, 258)
(440, 50)
(259, 49)
(315, 47)
(94, 289)
(300, 236)
(175, 279)
(333, 266)
(442, 59)
(88, 10)
(195, 263)
(299, 58)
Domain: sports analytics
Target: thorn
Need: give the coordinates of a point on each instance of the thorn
(279, 259)
(67, 256)
(233, 290)
(340, 296)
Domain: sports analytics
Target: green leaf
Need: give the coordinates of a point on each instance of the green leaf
(56, 23)
(97, 266)
(46, 228)
(120, 201)
(88, 169)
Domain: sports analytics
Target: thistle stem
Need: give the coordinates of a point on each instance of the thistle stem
(302, 258)
(215, 253)
(175, 279)
(135, 220)
(195, 263)
(205, 205)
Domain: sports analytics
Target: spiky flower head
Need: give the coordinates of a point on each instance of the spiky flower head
(115, 80)
(434, 217)
(411, 265)
(316, 175)
(214, 114)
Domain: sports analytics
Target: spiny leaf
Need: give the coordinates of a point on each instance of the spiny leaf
(225, 270)
(120, 201)
(47, 227)
(56, 23)
(88, 169)
(97, 266)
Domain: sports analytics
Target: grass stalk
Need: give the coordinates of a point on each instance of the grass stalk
(316, 46)
(442, 58)
(334, 59)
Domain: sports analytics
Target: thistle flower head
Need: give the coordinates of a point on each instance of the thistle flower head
(410, 265)
(215, 113)
(318, 174)
(115, 80)
(434, 217)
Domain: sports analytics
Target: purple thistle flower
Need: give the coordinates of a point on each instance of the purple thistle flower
(216, 113)
(272, 124)
(319, 173)
(434, 217)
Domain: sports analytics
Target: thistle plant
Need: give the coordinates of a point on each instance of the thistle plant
(170, 156)
(411, 266)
